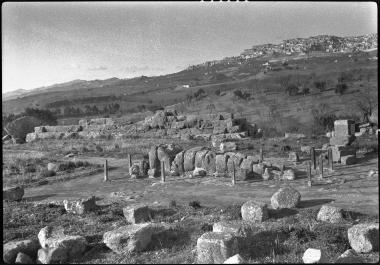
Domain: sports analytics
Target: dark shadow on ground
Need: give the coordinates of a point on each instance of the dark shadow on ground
(281, 213)
(312, 203)
(367, 157)
(38, 197)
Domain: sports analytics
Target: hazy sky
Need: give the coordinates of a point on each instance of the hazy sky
(46, 43)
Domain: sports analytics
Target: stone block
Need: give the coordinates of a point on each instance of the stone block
(313, 255)
(137, 214)
(286, 197)
(339, 151)
(209, 162)
(342, 140)
(344, 127)
(221, 163)
(253, 211)
(330, 214)
(12, 248)
(364, 238)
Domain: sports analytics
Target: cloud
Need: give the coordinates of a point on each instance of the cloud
(71, 66)
(97, 68)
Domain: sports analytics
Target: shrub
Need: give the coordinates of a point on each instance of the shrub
(340, 88)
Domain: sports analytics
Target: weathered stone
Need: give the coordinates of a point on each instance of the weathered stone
(137, 214)
(13, 193)
(154, 163)
(153, 173)
(199, 172)
(236, 259)
(306, 149)
(11, 249)
(189, 158)
(258, 169)
(285, 197)
(101, 121)
(131, 238)
(234, 129)
(80, 206)
(342, 140)
(53, 167)
(51, 255)
(234, 227)
(64, 129)
(219, 130)
(293, 157)
(253, 211)
(267, 174)
(313, 255)
(246, 169)
(339, 151)
(294, 135)
(62, 247)
(344, 127)
(289, 174)
(23, 259)
(209, 162)
(364, 238)
(330, 214)
(221, 163)
(177, 164)
(199, 157)
(178, 125)
(143, 167)
(348, 160)
(349, 256)
(228, 147)
(134, 171)
(214, 248)
(234, 159)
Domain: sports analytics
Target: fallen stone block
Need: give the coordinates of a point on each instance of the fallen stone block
(137, 214)
(289, 174)
(11, 249)
(13, 193)
(199, 157)
(348, 160)
(189, 158)
(286, 197)
(235, 227)
(214, 248)
(330, 214)
(339, 151)
(53, 167)
(80, 206)
(228, 147)
(59, 247)
(199, 172)
(364, 238)
(253, 211)
(313, 255)
(268, 175)
(258, 169)
(132, 238)
(209, 162)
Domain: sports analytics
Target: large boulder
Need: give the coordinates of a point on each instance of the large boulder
(364, 238)
(215, 248)
(80, 206)
(11, 249)
(253, 211)
(13, 193)
(131, 238)
(177, 164)
(286, 197)
(330, 214)
(58, 247)
(20, 127)
(137, 214)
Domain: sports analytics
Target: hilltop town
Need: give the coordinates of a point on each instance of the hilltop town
(316, 45)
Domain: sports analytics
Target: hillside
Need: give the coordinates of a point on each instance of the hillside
(262, 81)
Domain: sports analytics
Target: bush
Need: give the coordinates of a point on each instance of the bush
(340, 88)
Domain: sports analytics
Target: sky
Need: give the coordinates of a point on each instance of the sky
(47, 43)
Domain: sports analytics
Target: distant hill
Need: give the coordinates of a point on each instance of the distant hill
(13, 94)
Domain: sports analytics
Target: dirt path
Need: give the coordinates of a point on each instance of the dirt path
(358, 193)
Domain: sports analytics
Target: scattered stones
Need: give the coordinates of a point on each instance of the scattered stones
(348, 160)
(23, 259)
(286, 197)
(11, 249)
(330, 214)
(289, 174)
(137, 214)
(253, 211)
(236, 259)
(349, 256)
(293, 157)
(132, 238)
(313, 255)
(214, 248)
(13, 193)
(364, 238)
(199, 172)
(80, 206)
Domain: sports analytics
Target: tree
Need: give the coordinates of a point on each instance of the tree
(366, 104)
